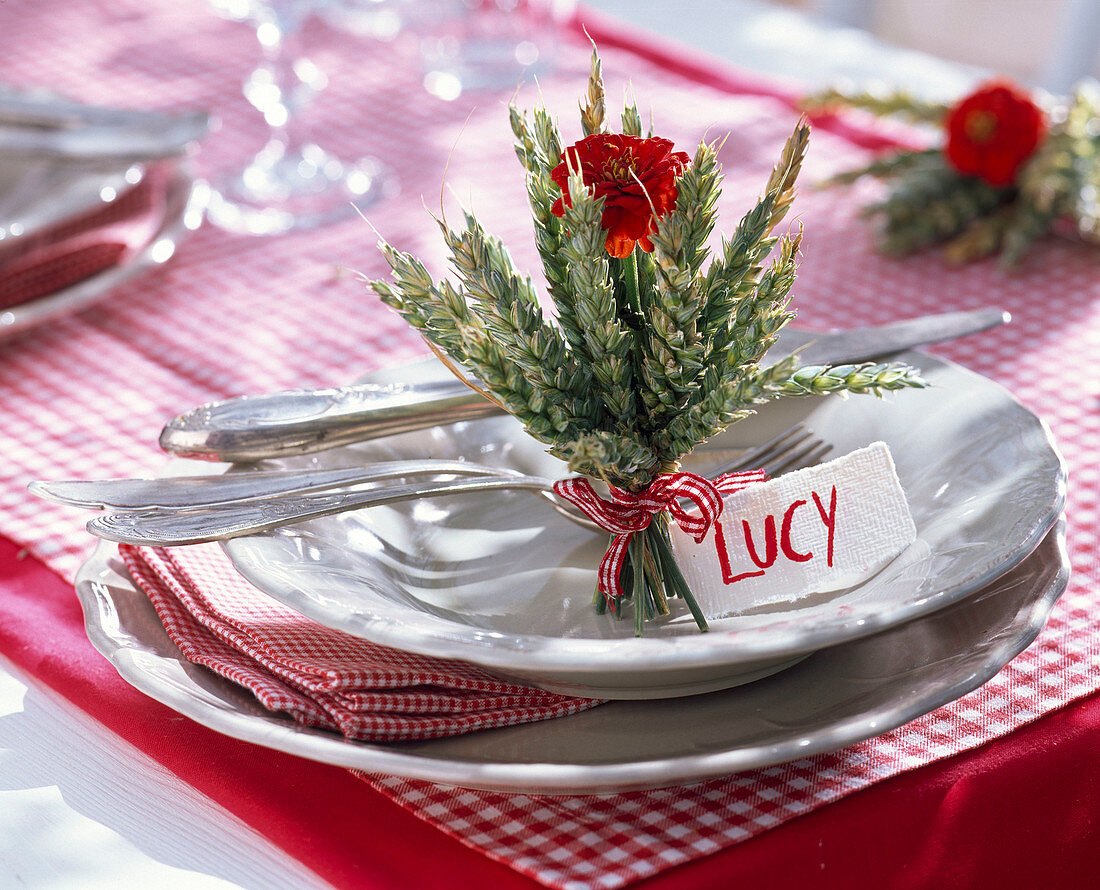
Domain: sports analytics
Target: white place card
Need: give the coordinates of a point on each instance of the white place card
(822, 528)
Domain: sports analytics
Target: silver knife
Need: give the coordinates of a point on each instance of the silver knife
(262, 427)
(40, 108)
(142, 139)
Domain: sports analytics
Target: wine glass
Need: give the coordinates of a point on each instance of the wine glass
(469, 45)
(292, 182)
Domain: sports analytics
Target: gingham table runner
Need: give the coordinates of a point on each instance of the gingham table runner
(86, 397)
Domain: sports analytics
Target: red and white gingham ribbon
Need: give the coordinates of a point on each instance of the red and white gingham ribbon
(628, 513)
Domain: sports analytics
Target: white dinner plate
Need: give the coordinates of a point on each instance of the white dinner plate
(501, 580)
(38, 192)
(836, 697)
(181, 215)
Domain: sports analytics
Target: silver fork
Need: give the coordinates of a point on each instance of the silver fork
(193, 510)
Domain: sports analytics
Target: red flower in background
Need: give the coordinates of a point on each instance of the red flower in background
(992, 132)
(636, 178)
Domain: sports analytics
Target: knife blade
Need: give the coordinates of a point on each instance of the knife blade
(867, 344)
(136, 140)
(262, 427)
(40, 108)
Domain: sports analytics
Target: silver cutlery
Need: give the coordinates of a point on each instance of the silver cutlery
(192, 510)
(185, 492)
(134, 140)
(175, 528)
(260, 427)
(41, 108)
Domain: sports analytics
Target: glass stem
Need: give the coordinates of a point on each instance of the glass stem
(278, 89)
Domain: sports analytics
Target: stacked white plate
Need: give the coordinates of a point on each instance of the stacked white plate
(503, 581)
(85, 170)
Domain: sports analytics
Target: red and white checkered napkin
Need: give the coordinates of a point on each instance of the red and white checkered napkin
(80, 247)
(320, 676)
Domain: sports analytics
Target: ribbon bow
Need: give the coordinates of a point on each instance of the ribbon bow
(628, 513)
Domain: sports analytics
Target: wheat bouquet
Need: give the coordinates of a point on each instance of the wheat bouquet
(655, 343)
(1011, 168)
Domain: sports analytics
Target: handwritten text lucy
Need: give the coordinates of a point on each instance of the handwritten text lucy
(818, 529)
(762, 548)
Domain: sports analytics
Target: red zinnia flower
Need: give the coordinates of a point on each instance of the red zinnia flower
(992, 132)
(636, 178)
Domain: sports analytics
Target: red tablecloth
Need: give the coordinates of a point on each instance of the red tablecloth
(234, 315)
(1018, 812)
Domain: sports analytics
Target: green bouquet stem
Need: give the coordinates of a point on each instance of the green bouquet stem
(651, 576)
(629, 266)
(657, 536)
(637, 562)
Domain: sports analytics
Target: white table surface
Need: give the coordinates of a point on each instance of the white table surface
(80, 809)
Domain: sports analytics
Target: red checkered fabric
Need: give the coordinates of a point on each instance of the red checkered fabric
(607, 841)
(320, 676)
(229, 315)
(627, 513)
(79, 248)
